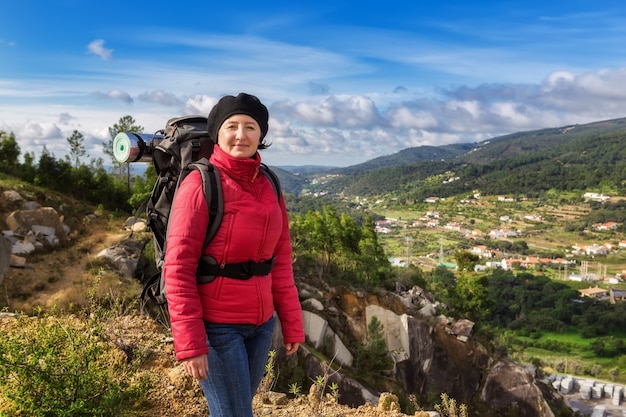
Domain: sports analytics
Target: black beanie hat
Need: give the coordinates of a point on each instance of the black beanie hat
(242, 104)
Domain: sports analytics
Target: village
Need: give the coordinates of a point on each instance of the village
(582, 261)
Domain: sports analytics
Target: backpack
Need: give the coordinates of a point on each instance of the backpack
(175, 153)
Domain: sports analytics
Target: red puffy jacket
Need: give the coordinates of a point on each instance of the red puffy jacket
(255, 227)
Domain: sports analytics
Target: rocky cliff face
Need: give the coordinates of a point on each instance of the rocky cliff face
(432, 354)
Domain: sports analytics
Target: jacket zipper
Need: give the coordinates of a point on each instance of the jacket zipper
(227, 244)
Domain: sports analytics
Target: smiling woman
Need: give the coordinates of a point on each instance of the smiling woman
(223, 326)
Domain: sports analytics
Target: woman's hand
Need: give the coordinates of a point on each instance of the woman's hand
(197, 367)
(292, 347)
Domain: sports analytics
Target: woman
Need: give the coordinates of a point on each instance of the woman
(223, 329)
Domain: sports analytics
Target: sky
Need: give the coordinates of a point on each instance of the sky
(344, 81)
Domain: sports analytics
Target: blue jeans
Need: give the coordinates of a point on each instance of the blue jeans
(238, 354)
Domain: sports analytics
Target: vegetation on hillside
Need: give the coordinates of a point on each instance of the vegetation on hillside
(525, 164)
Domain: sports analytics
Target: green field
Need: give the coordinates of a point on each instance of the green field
(569, 353)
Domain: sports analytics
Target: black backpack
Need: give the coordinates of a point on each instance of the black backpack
(174, 157)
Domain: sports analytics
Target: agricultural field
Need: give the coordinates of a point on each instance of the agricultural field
(428, 233)
(569, 353)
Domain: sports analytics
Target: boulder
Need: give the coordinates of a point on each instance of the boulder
(135, 224)
(511, 388)
(10, 200)
(47, 218)
(124, 256)
(319, 333)
(5, 256)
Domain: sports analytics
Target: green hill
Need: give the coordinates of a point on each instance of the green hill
(579, 157)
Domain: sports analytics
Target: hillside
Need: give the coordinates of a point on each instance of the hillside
(576, 157)
(69, 279)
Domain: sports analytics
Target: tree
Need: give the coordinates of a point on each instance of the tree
(371, 252)
(373, 355)
(77, 147)
(9, 152)
(473, 297)
(29, 169)
(47, 168)
(325, 239)
(466, 261)
(125, 124)
(54, 174)
(334, 245)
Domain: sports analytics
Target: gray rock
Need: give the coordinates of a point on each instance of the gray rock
(124, 256)
(22, 221)
(31, 205)
(23, 247)
(5, 256)
(10, 200)
(510, 386)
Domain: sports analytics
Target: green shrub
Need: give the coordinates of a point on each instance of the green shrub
(65, 367)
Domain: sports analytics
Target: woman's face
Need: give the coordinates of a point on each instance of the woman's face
(239, 136)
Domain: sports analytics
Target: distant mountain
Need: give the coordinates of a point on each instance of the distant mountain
(409, 156)
(290, 182)
(306, 169)
(544, 140)
(572, 157)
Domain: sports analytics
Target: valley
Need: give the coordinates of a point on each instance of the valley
(550, 230)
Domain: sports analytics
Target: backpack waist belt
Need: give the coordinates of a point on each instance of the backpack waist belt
(208, 269)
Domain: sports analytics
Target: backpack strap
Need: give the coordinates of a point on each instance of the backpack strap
(208, 269)
(271, 175)
(212, 188)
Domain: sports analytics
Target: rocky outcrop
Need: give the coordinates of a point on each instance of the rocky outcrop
(432, 354)
(510, 386)
(439, 362)
(319, 334)
(30, 227)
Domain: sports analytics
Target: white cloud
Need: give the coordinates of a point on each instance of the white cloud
(339, 129)
(403, 117)
(340, 111)
(97, 48)
(199, 104)
(65, 118)
(161, 97)
(117, 95)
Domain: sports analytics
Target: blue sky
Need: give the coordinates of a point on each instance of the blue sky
(345, 81)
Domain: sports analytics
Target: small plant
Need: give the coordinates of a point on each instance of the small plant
(317, 391)
(448, 407)
(334, 390)
(269, 379)
(295, 389)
